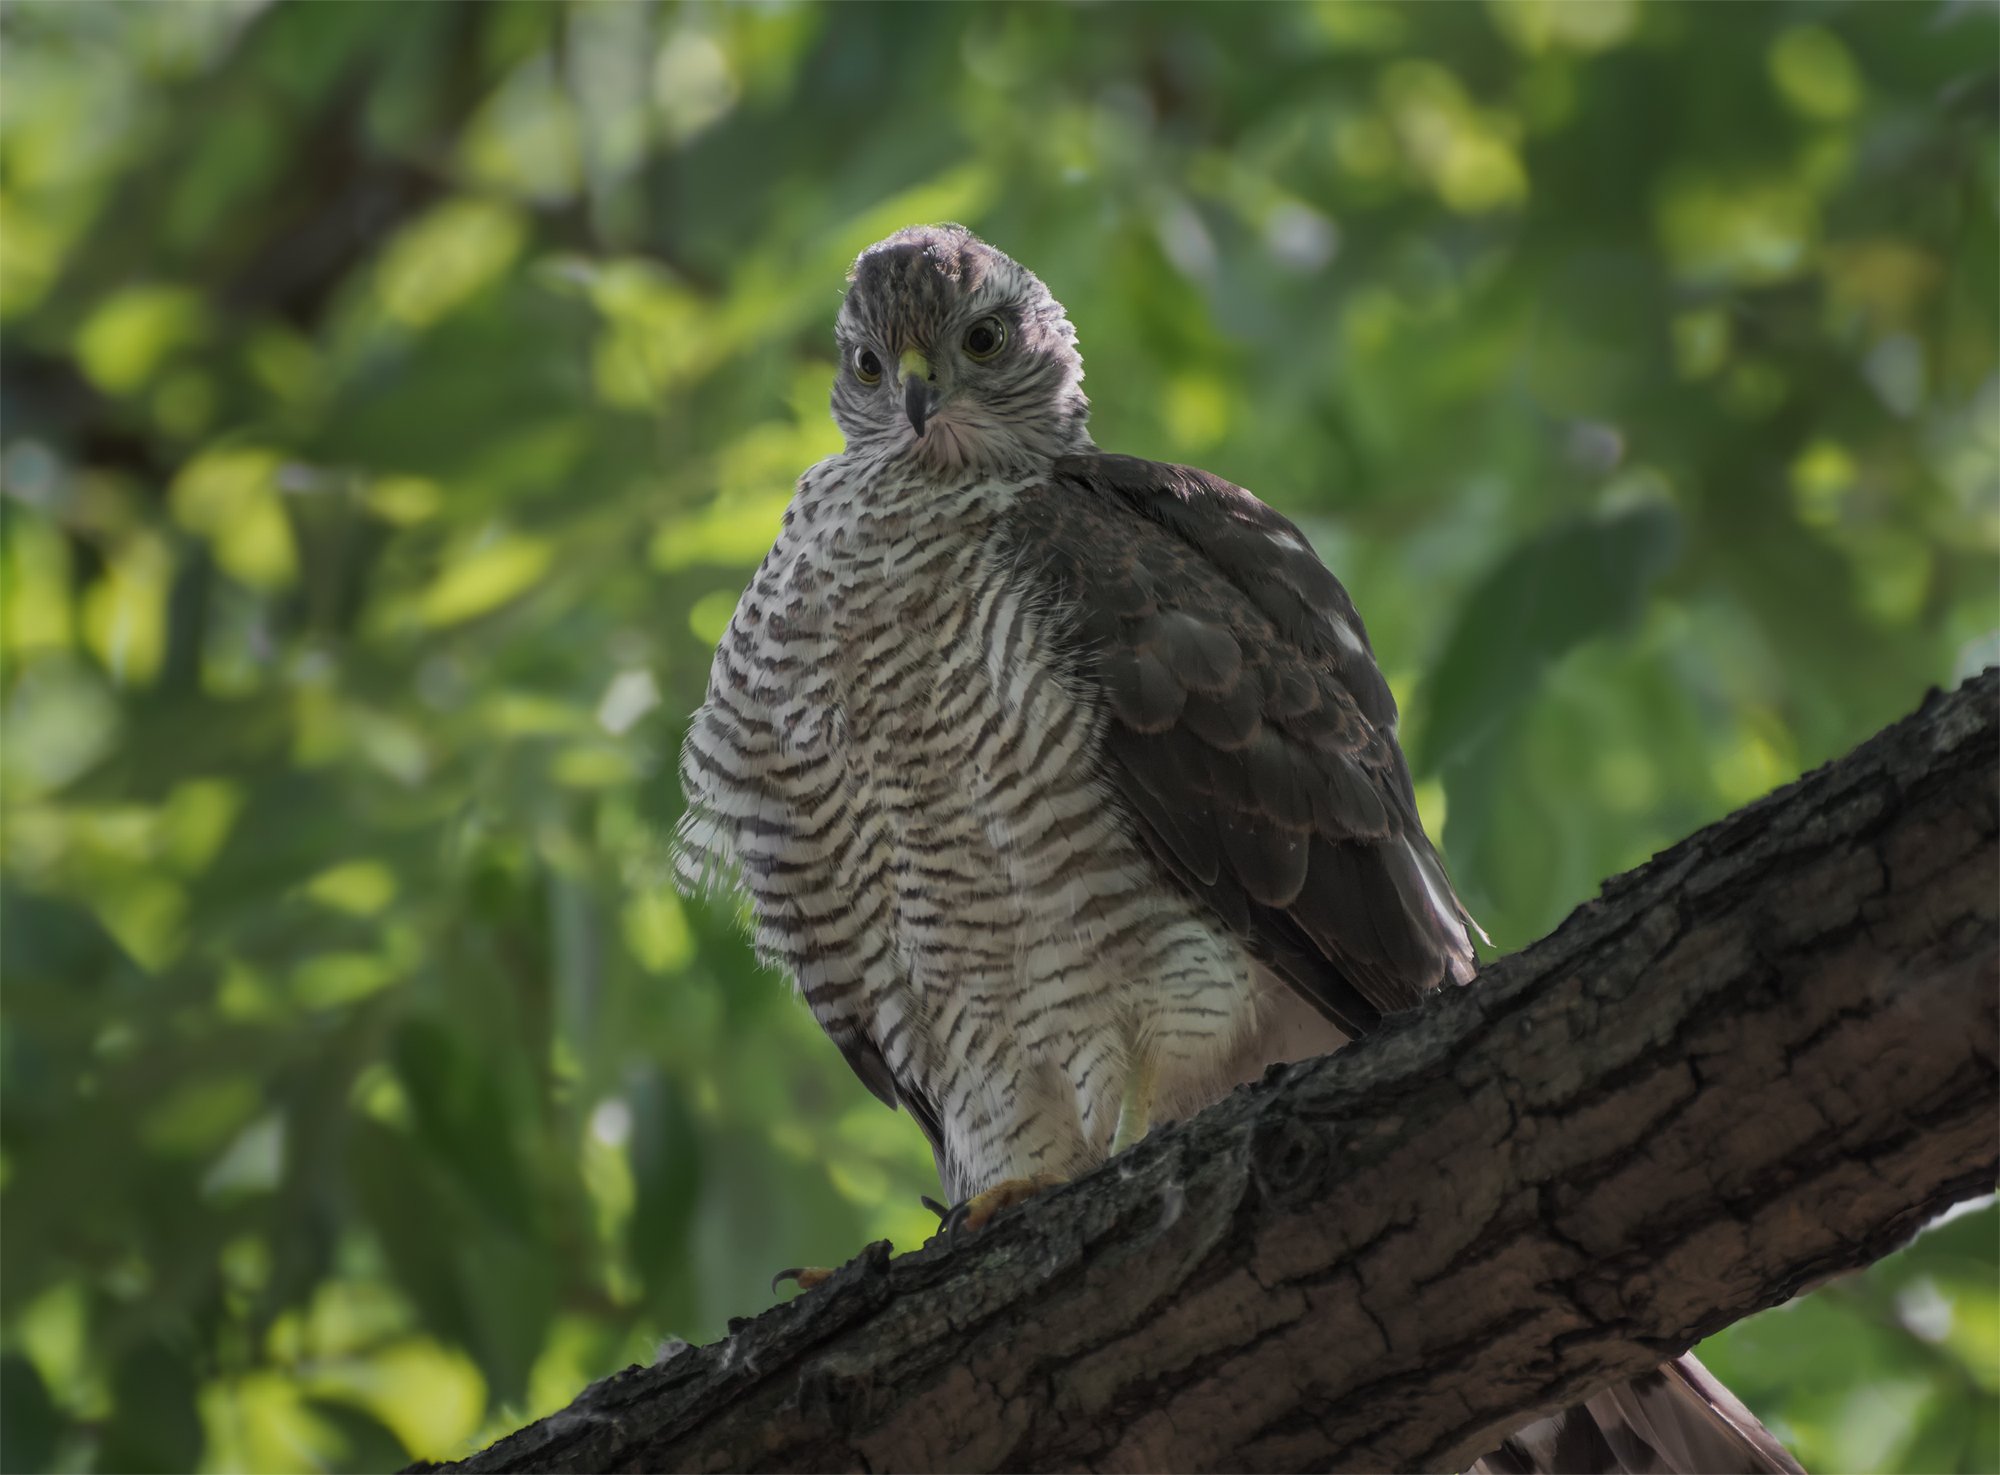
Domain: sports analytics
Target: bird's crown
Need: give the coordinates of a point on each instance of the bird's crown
(956, 355)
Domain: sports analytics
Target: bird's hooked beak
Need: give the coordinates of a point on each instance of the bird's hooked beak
(920, 395)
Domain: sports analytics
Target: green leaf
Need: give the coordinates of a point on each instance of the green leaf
(29, 1424)
(1583, 579)
(464, 1119)
(667, 1171)
(155, 1424)
(369, 1443)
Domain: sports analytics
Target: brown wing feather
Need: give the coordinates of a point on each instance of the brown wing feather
(1250, 733)
(1677, 1417)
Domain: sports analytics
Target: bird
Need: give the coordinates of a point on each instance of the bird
(1066, 786)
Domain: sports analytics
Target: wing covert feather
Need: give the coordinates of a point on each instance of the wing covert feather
(1250, 734)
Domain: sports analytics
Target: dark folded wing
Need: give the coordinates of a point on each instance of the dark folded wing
(1248, 729)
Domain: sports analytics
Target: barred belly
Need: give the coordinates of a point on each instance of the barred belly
(893, 758)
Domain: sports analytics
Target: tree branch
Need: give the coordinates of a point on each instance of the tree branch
(1764, 1058)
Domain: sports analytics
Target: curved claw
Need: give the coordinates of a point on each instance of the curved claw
(934, 1206)
(804, 1276)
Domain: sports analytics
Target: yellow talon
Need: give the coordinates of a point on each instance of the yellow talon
(971, 1216)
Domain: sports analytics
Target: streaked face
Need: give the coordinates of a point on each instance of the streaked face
(955, 355)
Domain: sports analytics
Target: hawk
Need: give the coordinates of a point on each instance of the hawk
(1065, 784)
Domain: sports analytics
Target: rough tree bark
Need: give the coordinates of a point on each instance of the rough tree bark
(1764, 1058)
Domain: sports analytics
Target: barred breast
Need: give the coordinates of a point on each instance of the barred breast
(894, 757)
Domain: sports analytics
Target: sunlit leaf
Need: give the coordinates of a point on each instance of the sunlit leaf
(130, 334)
(1815, 73)
(196, 819)
(36, 598)
(444, 258)
(430, 1397)
(232, 497)
(124, 614)
(484, 577)
(657, 931)
(332, 980)
(1717, 229)
(360, 888)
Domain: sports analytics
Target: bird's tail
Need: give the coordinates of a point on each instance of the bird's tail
(1675, 1419)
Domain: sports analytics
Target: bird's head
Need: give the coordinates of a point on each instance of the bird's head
(955, 354)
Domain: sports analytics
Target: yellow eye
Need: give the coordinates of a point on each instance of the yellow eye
(985, 338)
(867, 367)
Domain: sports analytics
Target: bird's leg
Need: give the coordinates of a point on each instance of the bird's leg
(1134, 1118)
(1135, 1112)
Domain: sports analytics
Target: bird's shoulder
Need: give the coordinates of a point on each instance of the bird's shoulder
(1136, 536)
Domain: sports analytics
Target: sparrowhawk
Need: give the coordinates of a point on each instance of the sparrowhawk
(1066, 785)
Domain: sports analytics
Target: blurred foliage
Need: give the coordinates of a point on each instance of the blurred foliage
(395, 400)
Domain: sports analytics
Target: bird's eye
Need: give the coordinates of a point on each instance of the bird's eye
(867, 367)
(985, 338)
